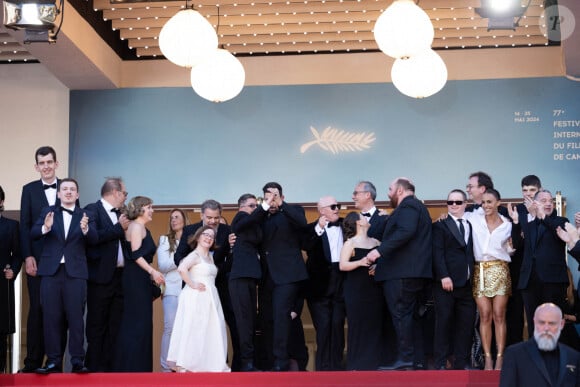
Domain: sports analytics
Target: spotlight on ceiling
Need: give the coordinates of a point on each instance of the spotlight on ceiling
(502, 14)
(36, 18)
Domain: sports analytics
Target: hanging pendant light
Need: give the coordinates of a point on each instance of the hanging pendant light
(187, 38)
(420, 75)
(403, 29)
(219, 78)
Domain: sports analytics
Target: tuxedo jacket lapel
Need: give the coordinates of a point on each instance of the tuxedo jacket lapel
(59, 223)
(452, 226)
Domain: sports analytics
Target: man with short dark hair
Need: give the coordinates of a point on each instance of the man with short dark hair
(244, 276)
(66, 231)
(478, 183)
(284, 270)
(36, 195)
(105, 285)
(542, 361)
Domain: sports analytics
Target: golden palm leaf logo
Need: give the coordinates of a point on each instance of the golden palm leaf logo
(336, 141)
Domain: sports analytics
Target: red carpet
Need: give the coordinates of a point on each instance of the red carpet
(271, 379)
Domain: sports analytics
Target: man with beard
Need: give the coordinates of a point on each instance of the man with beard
(542, 361)
(404, 264)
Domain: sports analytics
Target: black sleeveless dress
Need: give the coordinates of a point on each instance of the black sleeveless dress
(363, 299)
(134, 345)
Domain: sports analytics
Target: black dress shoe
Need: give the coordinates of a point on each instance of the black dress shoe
(50, 368)
(249, 368)
(399, 365)
(279, 368)
(419, 366)
(80, 369)
(27, 370)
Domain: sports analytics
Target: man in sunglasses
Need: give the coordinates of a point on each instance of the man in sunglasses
(324, 295)
(453, 266)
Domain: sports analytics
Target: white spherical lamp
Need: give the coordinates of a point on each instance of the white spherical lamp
(420, 75)
(219, 78)
(187, 38)
(403, 29)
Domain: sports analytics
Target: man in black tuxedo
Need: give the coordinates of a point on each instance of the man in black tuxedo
(36, 195)
(66, 231)
(244, 276)
(542, 361)
(284, 270)
(324, 293)
(211, 212)
(453, 266)
(543, 275)
(10, 262)
(530, 184)
(404, 264)
(105, 286)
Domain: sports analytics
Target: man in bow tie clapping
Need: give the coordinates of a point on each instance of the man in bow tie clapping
(66, 231)
(324, 295)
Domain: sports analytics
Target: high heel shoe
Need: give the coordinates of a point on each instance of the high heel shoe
(488, 362)
(499, 361)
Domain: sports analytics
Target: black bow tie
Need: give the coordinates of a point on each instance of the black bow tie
(47, 186)
(476, 206)
(333, 224)
(367, 214)
(66, 210)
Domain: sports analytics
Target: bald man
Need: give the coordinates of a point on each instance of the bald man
(324, 295)
(542, 361)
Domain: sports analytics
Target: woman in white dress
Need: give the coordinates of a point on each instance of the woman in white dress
(199, 339)
(167, 245)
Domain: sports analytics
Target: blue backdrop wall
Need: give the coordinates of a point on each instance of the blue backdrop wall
(171, 145)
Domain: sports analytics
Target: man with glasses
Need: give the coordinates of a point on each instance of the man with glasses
(453, 266)
(211, 212)
(105, 285)
(543, 275)
(324, 294)
(364, 196)
(244, 276)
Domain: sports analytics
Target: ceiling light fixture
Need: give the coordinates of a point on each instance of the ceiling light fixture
(420, 75)
(187, 38)
(403, 29)
(219, 78)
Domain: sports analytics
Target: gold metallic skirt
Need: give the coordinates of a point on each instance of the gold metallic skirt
(492, 278)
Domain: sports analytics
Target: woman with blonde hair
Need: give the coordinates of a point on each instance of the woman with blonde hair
(134, 348)
(167, 245)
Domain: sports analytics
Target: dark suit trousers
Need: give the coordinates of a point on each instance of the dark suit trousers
(63, 301)
(34, 331)
(224, 294)
(284, 298)
(328, 314)
(104, 311)
(401, 296)
(539, 292)
(244, 306)
(454, 319)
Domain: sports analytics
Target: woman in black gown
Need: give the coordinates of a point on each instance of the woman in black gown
(362, 296)
(135, 341)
